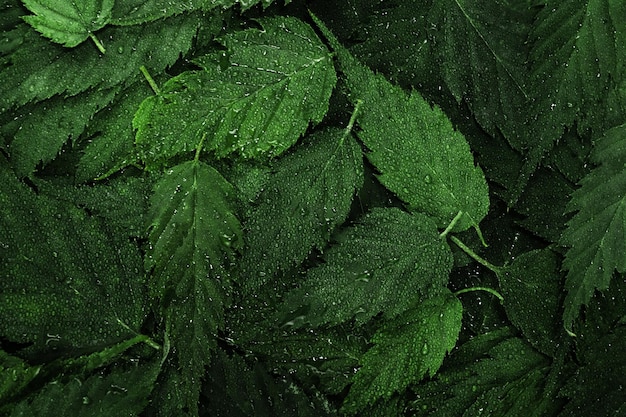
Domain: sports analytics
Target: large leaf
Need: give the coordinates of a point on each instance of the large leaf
(275, 81)
(493, 374)
(385, 263)
(481, 48)
(193, 234)
(66, 281)
(307, 196)
(417, 341)
(69, 22)
(421, 158)
(596, 235)
(39, 69)
(39, 132)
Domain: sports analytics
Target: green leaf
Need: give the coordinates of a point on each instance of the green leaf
(596, 234)
(132, 12)
(590, 395)
(111, 136)
(15, 375)
(120, 392)
(481, 48)
(417, 341)
(69, 23)
(274, 83)
(493, 374)
(193, 235)
(574, 72)
(39, 70)
(531, 287)
(67, 282)
(41, 132)
(385, 263)
(308, 195)
(421, 158)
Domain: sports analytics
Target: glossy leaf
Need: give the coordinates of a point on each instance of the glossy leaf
(309, 194)
(275, 81)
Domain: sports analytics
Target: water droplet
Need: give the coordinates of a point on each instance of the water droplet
(425, 349)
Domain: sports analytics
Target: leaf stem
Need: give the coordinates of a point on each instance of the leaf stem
(199, 148)
(351, 122)
(474, 256)
(452, 224)
(98, 43)
(487, 289)
(150, 80)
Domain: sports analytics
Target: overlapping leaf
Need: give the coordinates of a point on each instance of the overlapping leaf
(110, 146)
(69, 22)
(39, 132)
(421, 158)
(193, 233)
(39, 69)
(275, 82)
(417, 341)
(66, 282)
(494, 374)
(482, 52)
(385, 263)
(596, 235)
(308, 195)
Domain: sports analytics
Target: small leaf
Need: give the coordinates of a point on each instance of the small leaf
(531, 287)
(69, 22)
(405, 350)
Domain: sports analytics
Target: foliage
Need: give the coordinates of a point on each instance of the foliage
(228, 207)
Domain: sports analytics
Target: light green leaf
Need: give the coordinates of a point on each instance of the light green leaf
(307, 196)
(596, 235)
(385, 263)
(69, 22)
(405, 350)
(132, 12)
(275, 82)
(421, 158)
(193, 234)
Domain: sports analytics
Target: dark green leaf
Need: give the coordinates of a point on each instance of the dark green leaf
(66, 283)
(417, 341)
(386, 263)
(307, 196)
(531, 288)
(595, 235)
